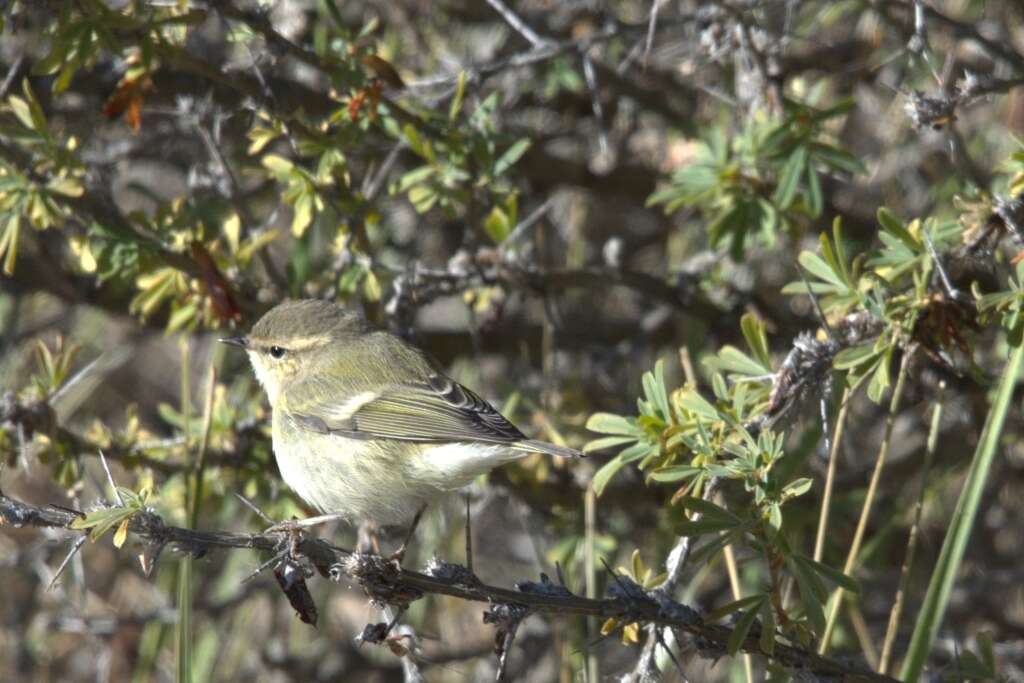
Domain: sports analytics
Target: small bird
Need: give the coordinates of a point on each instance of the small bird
(365, 428)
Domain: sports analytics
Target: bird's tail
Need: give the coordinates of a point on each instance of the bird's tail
(532, 446)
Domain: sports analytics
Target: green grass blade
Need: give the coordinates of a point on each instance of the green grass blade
(941, 584)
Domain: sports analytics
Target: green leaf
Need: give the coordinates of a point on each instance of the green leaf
(815, 200)
(675, 473)
(101, 521)
(812, 592)
(423, 198)
(637, 451)
(797, 488)
(605, 474)
(412, 136)
(691, 401)
(753, 329)
(511, 156)
(891, 224)
(929, 618)
(837, 158)
(847, 583)
(460, 94)
(854, 357)
(608, 423)
(742, 627)
(789, 178)
(732, 359)
(607, 442)
(881, 379)
(655, 391)
(767, 640)
(35, 109)
(497, 225)
(736, 605)
(416, 176)
(817, 266)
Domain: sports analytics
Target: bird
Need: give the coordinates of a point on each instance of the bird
(365, 426)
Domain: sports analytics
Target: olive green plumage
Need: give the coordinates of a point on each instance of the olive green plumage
(364, 425)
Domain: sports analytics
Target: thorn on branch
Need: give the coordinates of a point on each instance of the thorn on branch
(544, 587)
(379, 578)
(451, 572)
(670, 609)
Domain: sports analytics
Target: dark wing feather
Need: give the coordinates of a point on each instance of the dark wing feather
(435, 411)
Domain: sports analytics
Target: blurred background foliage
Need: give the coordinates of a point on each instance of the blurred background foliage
(606, 217)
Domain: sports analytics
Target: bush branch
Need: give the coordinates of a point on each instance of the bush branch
(384, 581)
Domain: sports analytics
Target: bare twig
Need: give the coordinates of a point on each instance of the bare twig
(908, 560)
(674, 564)
(516, 22)
(835, 601)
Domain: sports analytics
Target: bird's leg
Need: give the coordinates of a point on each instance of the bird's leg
(469, 539)
(399, 554)
(367, 541)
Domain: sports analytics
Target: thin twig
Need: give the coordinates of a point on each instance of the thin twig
(674, 565)
(737, 594)
(110, 479)
(835, 602)
(595, 103)
(252, 506)
(75, 547)
(513, 20)
(863, 633)
(652, 24)
(908, 561)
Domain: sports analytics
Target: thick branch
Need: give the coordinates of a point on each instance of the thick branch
(383, 578)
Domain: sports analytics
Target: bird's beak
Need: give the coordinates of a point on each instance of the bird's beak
(240, 342)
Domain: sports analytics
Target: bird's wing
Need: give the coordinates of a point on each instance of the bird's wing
(436, 410)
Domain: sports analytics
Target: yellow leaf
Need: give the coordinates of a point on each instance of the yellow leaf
(81, 249)
(121, 535)
(21, 110)
(303, 214)
(9, 243)
(69, 187)
(232, 230)
(371, 287)
(277, 164)
(260, 138)
(609, 626)
(631, 633)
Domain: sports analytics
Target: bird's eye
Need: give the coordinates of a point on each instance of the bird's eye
(276, 351)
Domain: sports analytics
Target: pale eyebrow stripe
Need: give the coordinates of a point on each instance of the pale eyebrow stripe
(306, 342)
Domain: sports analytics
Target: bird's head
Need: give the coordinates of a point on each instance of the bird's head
(295, 339)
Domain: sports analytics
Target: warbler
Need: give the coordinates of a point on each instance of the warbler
(365, 427)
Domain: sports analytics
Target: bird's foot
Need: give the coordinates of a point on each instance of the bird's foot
(399, 554)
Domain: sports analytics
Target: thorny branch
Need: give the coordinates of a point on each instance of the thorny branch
(386, 583)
